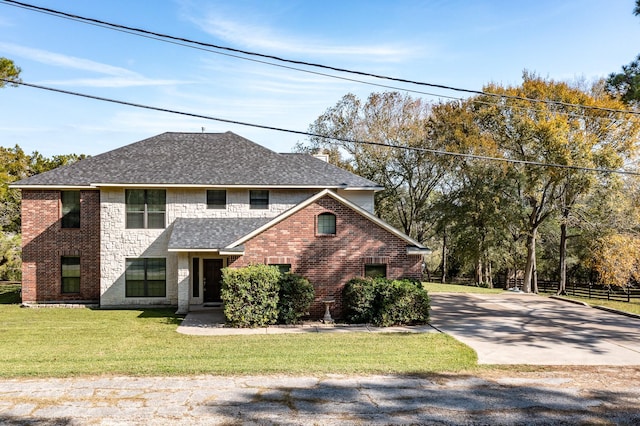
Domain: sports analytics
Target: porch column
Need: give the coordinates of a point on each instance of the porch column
(183, 283)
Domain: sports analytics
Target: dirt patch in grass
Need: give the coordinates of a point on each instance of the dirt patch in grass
(604, 378)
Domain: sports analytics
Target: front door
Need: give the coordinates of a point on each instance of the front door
(212, 280)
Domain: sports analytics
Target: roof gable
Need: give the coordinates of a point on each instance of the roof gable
(205, 159)
(416, 247)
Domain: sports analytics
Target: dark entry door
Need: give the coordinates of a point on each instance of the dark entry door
(212, 279)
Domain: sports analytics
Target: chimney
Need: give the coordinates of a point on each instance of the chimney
(322, 156)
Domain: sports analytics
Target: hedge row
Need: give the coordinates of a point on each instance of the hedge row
(259, 295)
(384, 302)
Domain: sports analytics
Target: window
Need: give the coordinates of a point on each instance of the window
(258, 199)
(282, 267)
(195, 274)
(217, 199)
(327, 224)
(70, 274)
(146, 277)
(70, 201)
(145, 208)
(377, 270)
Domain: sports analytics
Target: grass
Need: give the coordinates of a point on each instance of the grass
(456, 288)
(631, 307)
(58, 342)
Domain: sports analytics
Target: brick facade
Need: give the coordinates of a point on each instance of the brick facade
(329, 261)
(44, 242)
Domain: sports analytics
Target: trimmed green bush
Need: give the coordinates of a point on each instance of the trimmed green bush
(401, 302)
(250, 295)
(295, 297)
(358, 298)
(384, 302)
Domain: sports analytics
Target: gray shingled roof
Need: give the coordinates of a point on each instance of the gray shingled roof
(212, 233)
(200, 159)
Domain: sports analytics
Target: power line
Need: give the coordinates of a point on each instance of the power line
(156, 35)
(317, 135)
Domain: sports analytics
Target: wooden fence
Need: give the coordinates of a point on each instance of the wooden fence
(591, 291)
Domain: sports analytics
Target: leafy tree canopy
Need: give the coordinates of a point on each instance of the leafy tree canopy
(8, 71)
(626, 84)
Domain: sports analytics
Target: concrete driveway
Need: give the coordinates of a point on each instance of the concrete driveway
(513, 328)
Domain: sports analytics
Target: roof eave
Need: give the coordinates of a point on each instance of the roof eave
(51, 187)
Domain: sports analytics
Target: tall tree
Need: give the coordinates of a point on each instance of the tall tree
(408, 174)
(553, 132)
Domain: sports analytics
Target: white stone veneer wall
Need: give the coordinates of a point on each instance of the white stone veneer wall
(118, 243)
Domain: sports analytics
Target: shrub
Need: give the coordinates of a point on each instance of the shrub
(401, 302)
(358, 298)
(10, 257)
(384, 302)
(250, 295)
(295, 297)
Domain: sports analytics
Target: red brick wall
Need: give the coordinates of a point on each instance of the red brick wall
(330, 261)
(44, 242)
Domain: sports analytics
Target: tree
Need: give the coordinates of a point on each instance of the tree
(8, 71)
(408, 174)
(553, 132)
(626, 84)
(617, 259)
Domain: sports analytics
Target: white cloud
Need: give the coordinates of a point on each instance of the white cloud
(112, 82)
(115, 76)
(59, 60)
(263, 38)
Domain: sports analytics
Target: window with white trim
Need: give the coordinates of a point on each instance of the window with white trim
(145, 208)
(326, 224)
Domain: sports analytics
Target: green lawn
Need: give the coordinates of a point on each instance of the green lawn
(60, 342)
(456, 288)
(631, 307)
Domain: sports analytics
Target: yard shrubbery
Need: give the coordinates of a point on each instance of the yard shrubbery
(295, 296)
(259, 295)
(384, 302)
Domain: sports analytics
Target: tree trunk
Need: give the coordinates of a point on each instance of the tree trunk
(478, 274)
(444, 257)
(488, 275)
(529, 268)
(562, 284)
(534, 277)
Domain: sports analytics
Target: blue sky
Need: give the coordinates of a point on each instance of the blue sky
(457, 43)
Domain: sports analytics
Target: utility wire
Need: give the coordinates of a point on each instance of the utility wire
(310, 64)
(317, 135)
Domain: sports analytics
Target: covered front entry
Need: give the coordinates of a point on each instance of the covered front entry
(212, 280)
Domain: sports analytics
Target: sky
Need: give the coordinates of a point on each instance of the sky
(459, 43)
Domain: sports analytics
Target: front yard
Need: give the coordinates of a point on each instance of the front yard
(58, 342)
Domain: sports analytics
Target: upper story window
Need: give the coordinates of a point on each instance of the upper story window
(70, 201)
(216, 199)
(258, 199)
(146, 208)
(327, 224)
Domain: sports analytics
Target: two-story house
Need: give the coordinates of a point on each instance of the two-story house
(154, 222)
